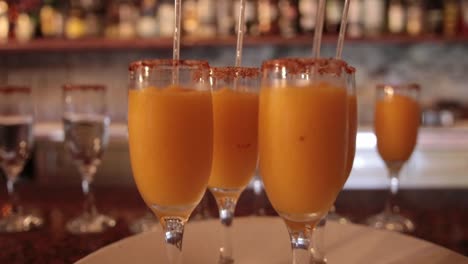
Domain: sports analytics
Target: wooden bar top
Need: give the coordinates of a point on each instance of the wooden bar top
(441, 217)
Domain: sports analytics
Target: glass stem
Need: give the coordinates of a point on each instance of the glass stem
(318, 243)
(174, 234)
(13, 196)
(89, 202)
(394, 169)
(226, 206)
(300, 243)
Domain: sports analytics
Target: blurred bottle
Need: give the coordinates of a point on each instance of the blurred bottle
(374, 17)
(4, 22)
(22, 19)
(451, 17)
(122, 16)
(207, 18)
(94, 13)
(307, 13)
(464, 14)
(396, 17)
(51, 19)
(190, 22)
(75, 26)
(251, 22)
(224, 18)
(415, 17)
(434, 16)
(288, 18)
(166, 18)
(268, 17)
(355, 28)
(333, 13)
(147, 25)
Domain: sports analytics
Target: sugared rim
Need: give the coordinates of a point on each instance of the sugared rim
(83, 87)
(152, 63)
(230, 72)
(6, 89)
(300, 65)
(409, 86)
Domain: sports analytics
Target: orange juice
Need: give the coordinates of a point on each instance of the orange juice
(352, 131)
(171, 145)
(397, 120)
(235, 138)
(302, 143)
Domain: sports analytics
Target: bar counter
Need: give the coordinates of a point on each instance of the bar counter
(440, 216)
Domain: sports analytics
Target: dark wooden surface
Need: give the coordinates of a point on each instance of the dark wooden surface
(52, 45)
(441, 216)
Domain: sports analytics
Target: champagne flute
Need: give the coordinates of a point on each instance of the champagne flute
(302, 149)
(86, 126)
(397, 118)
(170, 122)
(235, 153)
(16, 143)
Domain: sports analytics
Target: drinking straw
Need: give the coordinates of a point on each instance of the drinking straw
(318, 29)
(176, 43)
(240, 33)
(344, 23)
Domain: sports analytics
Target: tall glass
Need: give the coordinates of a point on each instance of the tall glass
(235, 151)
(397, 118)
(170, 121)
(303, 150)
(86, 125)
(16, 143)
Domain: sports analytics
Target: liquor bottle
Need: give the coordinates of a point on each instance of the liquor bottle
(288, 18)
(268, 17)
(190, 22)
(4, 22)
(355, 28)
(333, 12)
(51, 19)
(434, 15)
(307, 13)
(396, 17)
(224, 18)
(147, 24)
(165, 16)
(207, 18)
(451, 17)
(374, 17)
(415, 17)
(93, 16)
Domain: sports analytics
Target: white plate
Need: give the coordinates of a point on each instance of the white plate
(265, 240)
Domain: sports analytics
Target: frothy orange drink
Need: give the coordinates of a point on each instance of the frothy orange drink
(302, 143)
(397, 119)
(171, 145)
(235, 138)
(352, 131)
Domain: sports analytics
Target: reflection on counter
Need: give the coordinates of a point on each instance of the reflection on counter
(440, 160)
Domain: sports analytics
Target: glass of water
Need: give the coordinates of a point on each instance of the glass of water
(86, 125)
(16, 142)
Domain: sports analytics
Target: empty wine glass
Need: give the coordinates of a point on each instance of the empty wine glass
(86, 126)
(16, 142)
(396, 124)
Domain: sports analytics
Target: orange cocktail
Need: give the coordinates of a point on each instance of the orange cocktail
(397, 119)
(235, 138)
(352, 131)
(302, 139)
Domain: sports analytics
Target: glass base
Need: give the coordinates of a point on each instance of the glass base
(143, 224)
(20, 223)
(392, 222)
(87, 224)
(333, 216)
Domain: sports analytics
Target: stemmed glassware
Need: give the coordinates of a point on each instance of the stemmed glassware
(235, 152)
(86, 126)
(303, 134)
(16, 143)
(170, 121)
(396, 123)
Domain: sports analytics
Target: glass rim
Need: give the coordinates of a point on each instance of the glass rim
(154, 63)
(84, 87)
(407, 86)
(300, 65)
(233, 72)
(9, 89)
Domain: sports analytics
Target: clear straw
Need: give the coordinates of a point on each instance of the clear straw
(318, 29)
(176, 44)
(344, 23)
(240, 33)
